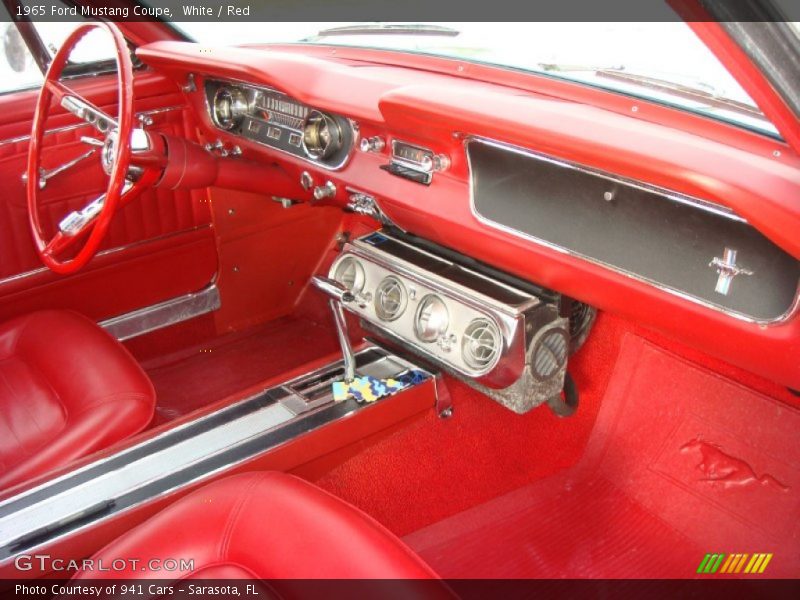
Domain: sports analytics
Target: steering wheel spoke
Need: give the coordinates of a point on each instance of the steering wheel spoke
(78, 221)
(58, 90)
(83, 109)
(58, 245)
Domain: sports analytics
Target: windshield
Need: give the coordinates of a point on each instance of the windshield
(664, 62)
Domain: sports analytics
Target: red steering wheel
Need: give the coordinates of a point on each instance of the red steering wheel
(115, 156)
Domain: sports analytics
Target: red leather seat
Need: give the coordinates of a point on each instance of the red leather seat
(263, 525)
(67, 389)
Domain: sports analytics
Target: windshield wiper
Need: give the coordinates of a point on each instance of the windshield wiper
(687, 92)
(390, 29)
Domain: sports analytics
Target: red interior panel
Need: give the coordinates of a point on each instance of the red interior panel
(173, 225)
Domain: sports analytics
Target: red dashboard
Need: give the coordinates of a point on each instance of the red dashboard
(439, 103)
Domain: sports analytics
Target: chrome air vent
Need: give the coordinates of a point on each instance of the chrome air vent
(474, 322)
(350, 273)
(390, 299)
(551, 352)
(432, 319)
(480, 346)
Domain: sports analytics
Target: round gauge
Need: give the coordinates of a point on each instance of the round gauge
(432, 319)
(322, 136)
(229, 106)
(390, 299)
(350, 273)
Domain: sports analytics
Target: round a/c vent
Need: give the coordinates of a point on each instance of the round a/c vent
(350, 273)
(550, 353)
(432, 319)
(390, 299)
(480, 346)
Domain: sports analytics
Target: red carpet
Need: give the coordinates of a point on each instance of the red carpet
(193, 378)
(681, 462)
(435, 468)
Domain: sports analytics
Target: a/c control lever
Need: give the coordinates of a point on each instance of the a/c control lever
(339, 294)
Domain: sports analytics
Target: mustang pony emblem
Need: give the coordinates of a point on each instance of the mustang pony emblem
(727, 470)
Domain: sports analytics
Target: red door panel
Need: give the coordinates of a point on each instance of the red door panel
(175, 226)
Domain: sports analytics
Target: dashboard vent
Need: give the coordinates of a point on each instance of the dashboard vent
(550, 354)
(350, 273)
(390, 299)
(481, 343)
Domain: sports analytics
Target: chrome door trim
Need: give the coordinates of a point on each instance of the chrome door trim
(670, 195)
(25, 138)
(163, 314)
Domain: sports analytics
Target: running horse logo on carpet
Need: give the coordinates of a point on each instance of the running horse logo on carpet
(729, 471)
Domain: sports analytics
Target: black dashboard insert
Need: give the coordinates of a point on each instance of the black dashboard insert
(644, 232)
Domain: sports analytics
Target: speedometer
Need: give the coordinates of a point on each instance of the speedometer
(279, 109)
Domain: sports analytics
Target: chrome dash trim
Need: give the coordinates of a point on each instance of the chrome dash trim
(456, 290)
(163, 314)
(670, 195)
(354, 127)
(25, 138)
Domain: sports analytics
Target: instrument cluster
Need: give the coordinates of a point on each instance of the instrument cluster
(271, 118)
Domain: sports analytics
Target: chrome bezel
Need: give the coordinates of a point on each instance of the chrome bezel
(354, 128)
(332, 147)
(238, 107)
(379, 312)
(411, 164)
(423, 303)
(498, 350)
(358, 282)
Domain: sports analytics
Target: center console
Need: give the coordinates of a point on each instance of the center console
(282, 427)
